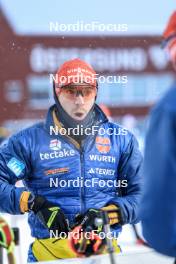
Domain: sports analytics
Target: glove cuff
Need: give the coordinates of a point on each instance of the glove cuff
(29, 202)
(114, 214)
(24, 198)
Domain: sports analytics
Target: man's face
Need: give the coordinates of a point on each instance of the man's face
(77, 100)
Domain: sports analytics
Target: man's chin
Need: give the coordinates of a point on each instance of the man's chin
(79, 117)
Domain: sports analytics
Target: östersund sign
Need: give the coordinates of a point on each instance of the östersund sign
(136, 59)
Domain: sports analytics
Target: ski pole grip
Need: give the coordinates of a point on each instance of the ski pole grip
(105, 218)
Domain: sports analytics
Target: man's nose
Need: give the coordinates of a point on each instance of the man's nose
(79, 99)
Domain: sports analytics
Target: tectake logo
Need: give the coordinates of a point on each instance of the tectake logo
(55, 144)
(57, 152)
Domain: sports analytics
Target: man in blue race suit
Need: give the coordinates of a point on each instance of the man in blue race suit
(158, 210)
(77, 162)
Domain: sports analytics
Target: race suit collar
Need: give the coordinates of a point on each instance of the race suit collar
(101, 117)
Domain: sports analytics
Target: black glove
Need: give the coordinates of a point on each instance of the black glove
(50, 215)
(88, 220)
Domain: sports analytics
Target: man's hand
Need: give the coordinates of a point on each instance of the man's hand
(49, 214)
(88, 219)
(114, 214)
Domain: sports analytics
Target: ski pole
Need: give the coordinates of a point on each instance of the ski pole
(104, 220)
(1, 255)
(139, 239)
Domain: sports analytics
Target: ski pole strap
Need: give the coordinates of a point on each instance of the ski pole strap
(24, 201)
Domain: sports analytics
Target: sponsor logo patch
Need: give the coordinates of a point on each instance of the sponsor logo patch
(55, 144)
(57, 154)
(16, 166)
(102, 158)
(102, 171)
(103, 144)
(56, 171)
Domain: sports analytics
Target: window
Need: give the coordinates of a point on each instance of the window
(139, 90)
(40, 92)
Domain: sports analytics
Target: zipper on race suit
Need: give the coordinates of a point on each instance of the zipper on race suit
(81, 151)
(82, 180)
